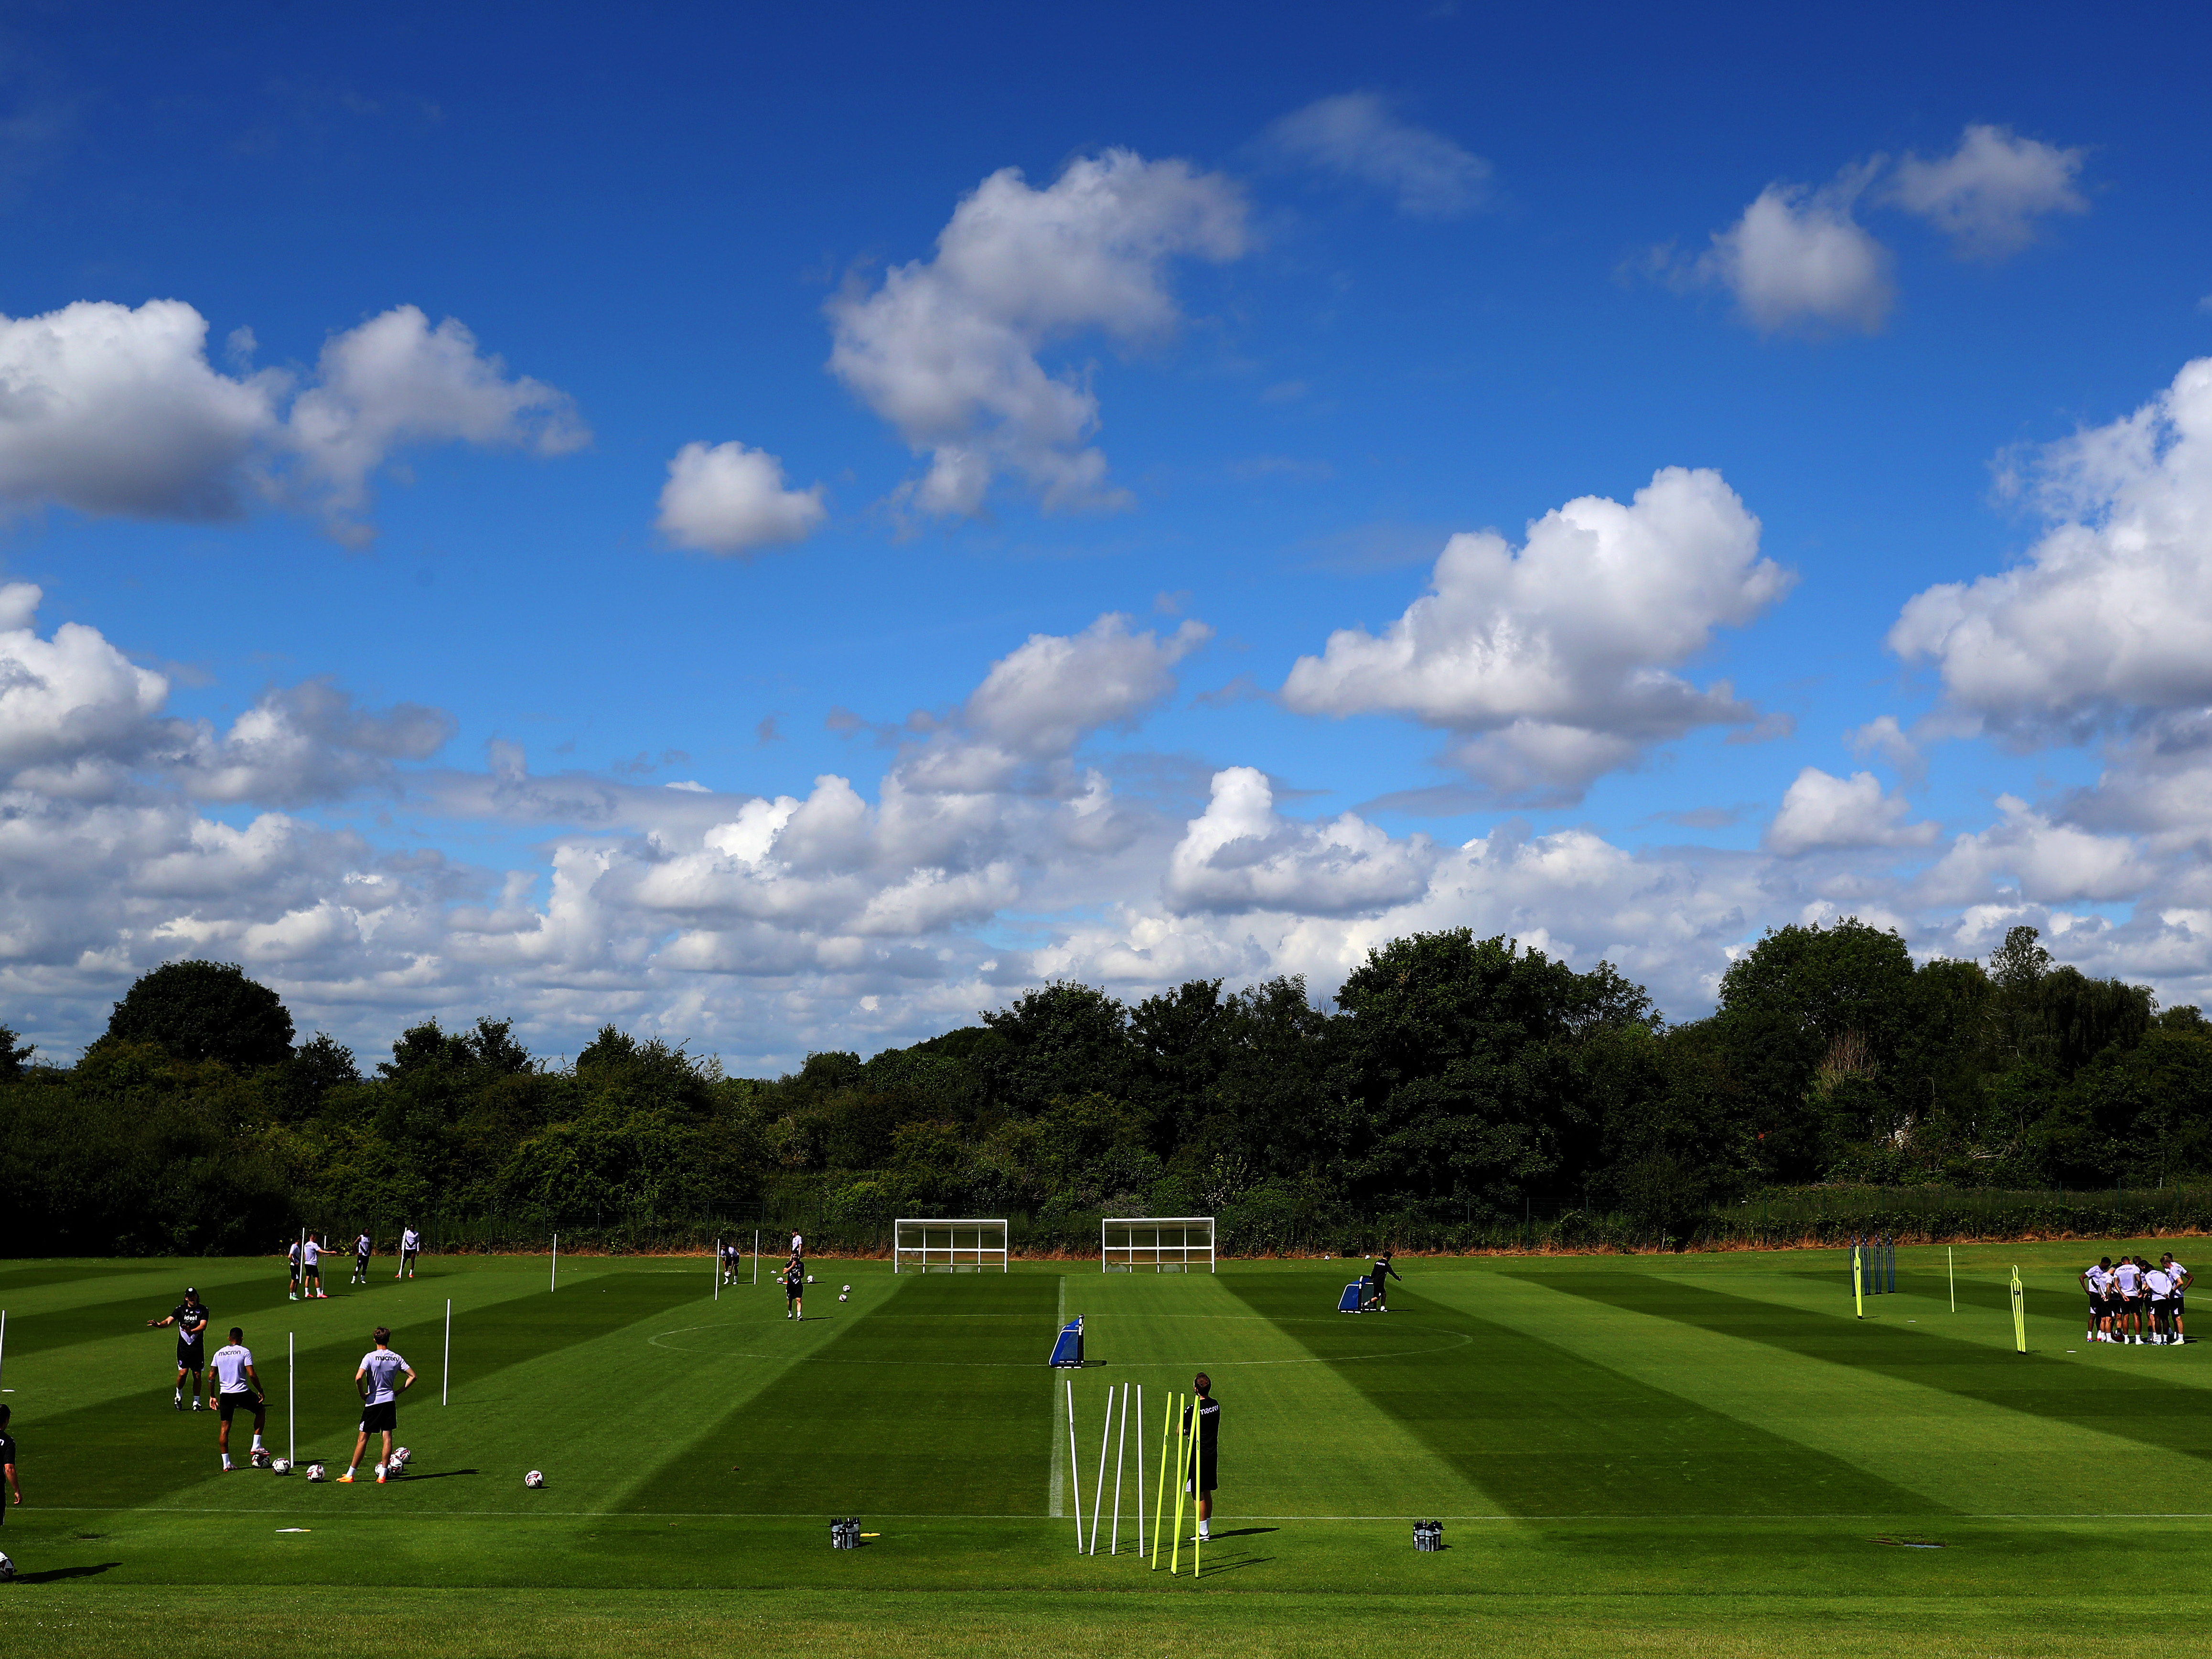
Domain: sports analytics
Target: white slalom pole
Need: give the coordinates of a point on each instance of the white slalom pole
(291, 1398)
(3, 1342)
(718, 1270)
(1099, 1499)
(556, 1285)
(755, 1256)
(446, 1372)
(1121, 1446)
(1140, 1472)
(1074, 1467)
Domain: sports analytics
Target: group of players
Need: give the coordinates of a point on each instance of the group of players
(306, 1254)
(2134, 1302)
(793, 1275)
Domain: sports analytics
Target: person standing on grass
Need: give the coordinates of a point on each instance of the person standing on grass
(797, 1248)
(2096, 1282)
(2127, 1280)
(383, 1376)
(238, 1388)
(410, 1246)
(8, 1460)
(795, 1290)
(2179, 1275)
(2160, 1290)
(310, 1269)
(1201, 1487)
(1376, 1287)
(191, 1320)
(292, 1256)
(363, 1249)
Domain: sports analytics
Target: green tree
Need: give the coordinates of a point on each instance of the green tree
(205, 1011)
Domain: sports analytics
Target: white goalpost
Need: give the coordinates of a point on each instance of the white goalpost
(1160, 1244)
(962, 1245)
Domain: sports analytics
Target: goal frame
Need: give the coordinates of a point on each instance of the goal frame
(953, 1255)
(1129, 1253)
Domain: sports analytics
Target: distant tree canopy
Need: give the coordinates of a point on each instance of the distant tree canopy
(205, 1011)
(1456, 1079)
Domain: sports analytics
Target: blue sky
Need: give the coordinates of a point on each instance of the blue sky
(1000, 415)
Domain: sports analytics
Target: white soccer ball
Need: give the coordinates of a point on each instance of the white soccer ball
(401, 1455)
(847, 1290)
(281, 1466)
(7, 1570)
(840, 1298)
(533, 1480)
(384, 1468)
(315, 1472)
(810, 1279)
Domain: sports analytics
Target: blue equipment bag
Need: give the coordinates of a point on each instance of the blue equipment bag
(1353, 1294)
(1068, 1351)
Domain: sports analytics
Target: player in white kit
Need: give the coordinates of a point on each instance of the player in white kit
(410, 1243)
(382, 1376)
(310, 1269)
(2097, 1281)
(238, 1388)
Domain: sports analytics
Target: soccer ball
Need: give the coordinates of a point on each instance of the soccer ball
(840, 1298)
(847, 1290)
(315, 1472)
(281, 1466)
(400, 1457)
(383, 1468)
(533, 1480)
(7, 1570)
(810, 1279)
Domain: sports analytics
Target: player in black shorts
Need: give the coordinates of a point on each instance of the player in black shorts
(795, 1290)
(1379, 1283)
(362, 1249)
(8, 1460)
(1209, 1437)
(191, 1320)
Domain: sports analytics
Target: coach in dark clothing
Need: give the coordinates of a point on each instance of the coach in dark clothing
(1375, 1288)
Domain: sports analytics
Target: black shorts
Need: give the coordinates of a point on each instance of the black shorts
(227, 1403)
(1209, 1469)
(382, 1418)
(191, 1356)
(2096, 1307)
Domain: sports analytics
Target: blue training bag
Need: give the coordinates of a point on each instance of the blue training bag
(1354, 1293)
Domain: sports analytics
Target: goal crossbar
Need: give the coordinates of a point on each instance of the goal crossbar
(948, 1245)
(1160, 1244)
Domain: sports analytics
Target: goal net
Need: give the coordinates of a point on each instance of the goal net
(1161, 1244)
(966, 1245)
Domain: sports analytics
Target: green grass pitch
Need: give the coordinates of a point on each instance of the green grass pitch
(1681, 1454)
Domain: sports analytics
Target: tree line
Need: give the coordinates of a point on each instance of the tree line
(1454, 1081)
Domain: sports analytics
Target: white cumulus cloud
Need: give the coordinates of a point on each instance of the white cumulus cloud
(1987, 194)
(1239, 855)
(113, 410)
(1798, 258)
(1555, 664)
(2049, 863)
(1039, 698)
(946, 349)
(726, 498)
(1358, 136)
(2108, 615)
(1820, 811)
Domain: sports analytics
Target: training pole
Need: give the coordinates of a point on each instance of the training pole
(1858, 1284)
(446, 1372)
(291, 1398)
(2018, 1314)
(1074, 1467)
(1140, 1471)
(718, 1270)
(1160, 1498)
(556, 1283)
(1098, 1497)
(755, 1256)
(3, 1342)
(1120, 1450)
(1951, 1266)
(1182, 1461)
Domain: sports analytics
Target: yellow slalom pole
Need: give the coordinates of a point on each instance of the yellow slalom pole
(1858, 1283)
(2018, 1314)
(1160, 1498)
(1951, 1261)
(1182, 1461)
(1197, 1544)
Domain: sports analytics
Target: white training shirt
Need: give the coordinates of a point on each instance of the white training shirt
(384, 1369)
(230, 1363)
(410, 1240)
(796, 1243)
(2158, 1285)
(2099, 1279)
(360, 1246)
(2129, 1275)
(314, 1252)
(2176, 1272)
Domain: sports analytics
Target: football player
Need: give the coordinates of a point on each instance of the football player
(361, 1250)
(795, 1290)
(238, 1388)
(191, 1320)
(379, 1399)
(410, 1245)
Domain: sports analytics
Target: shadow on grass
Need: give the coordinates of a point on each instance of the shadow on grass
(55, 1575)
(442, 1475)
